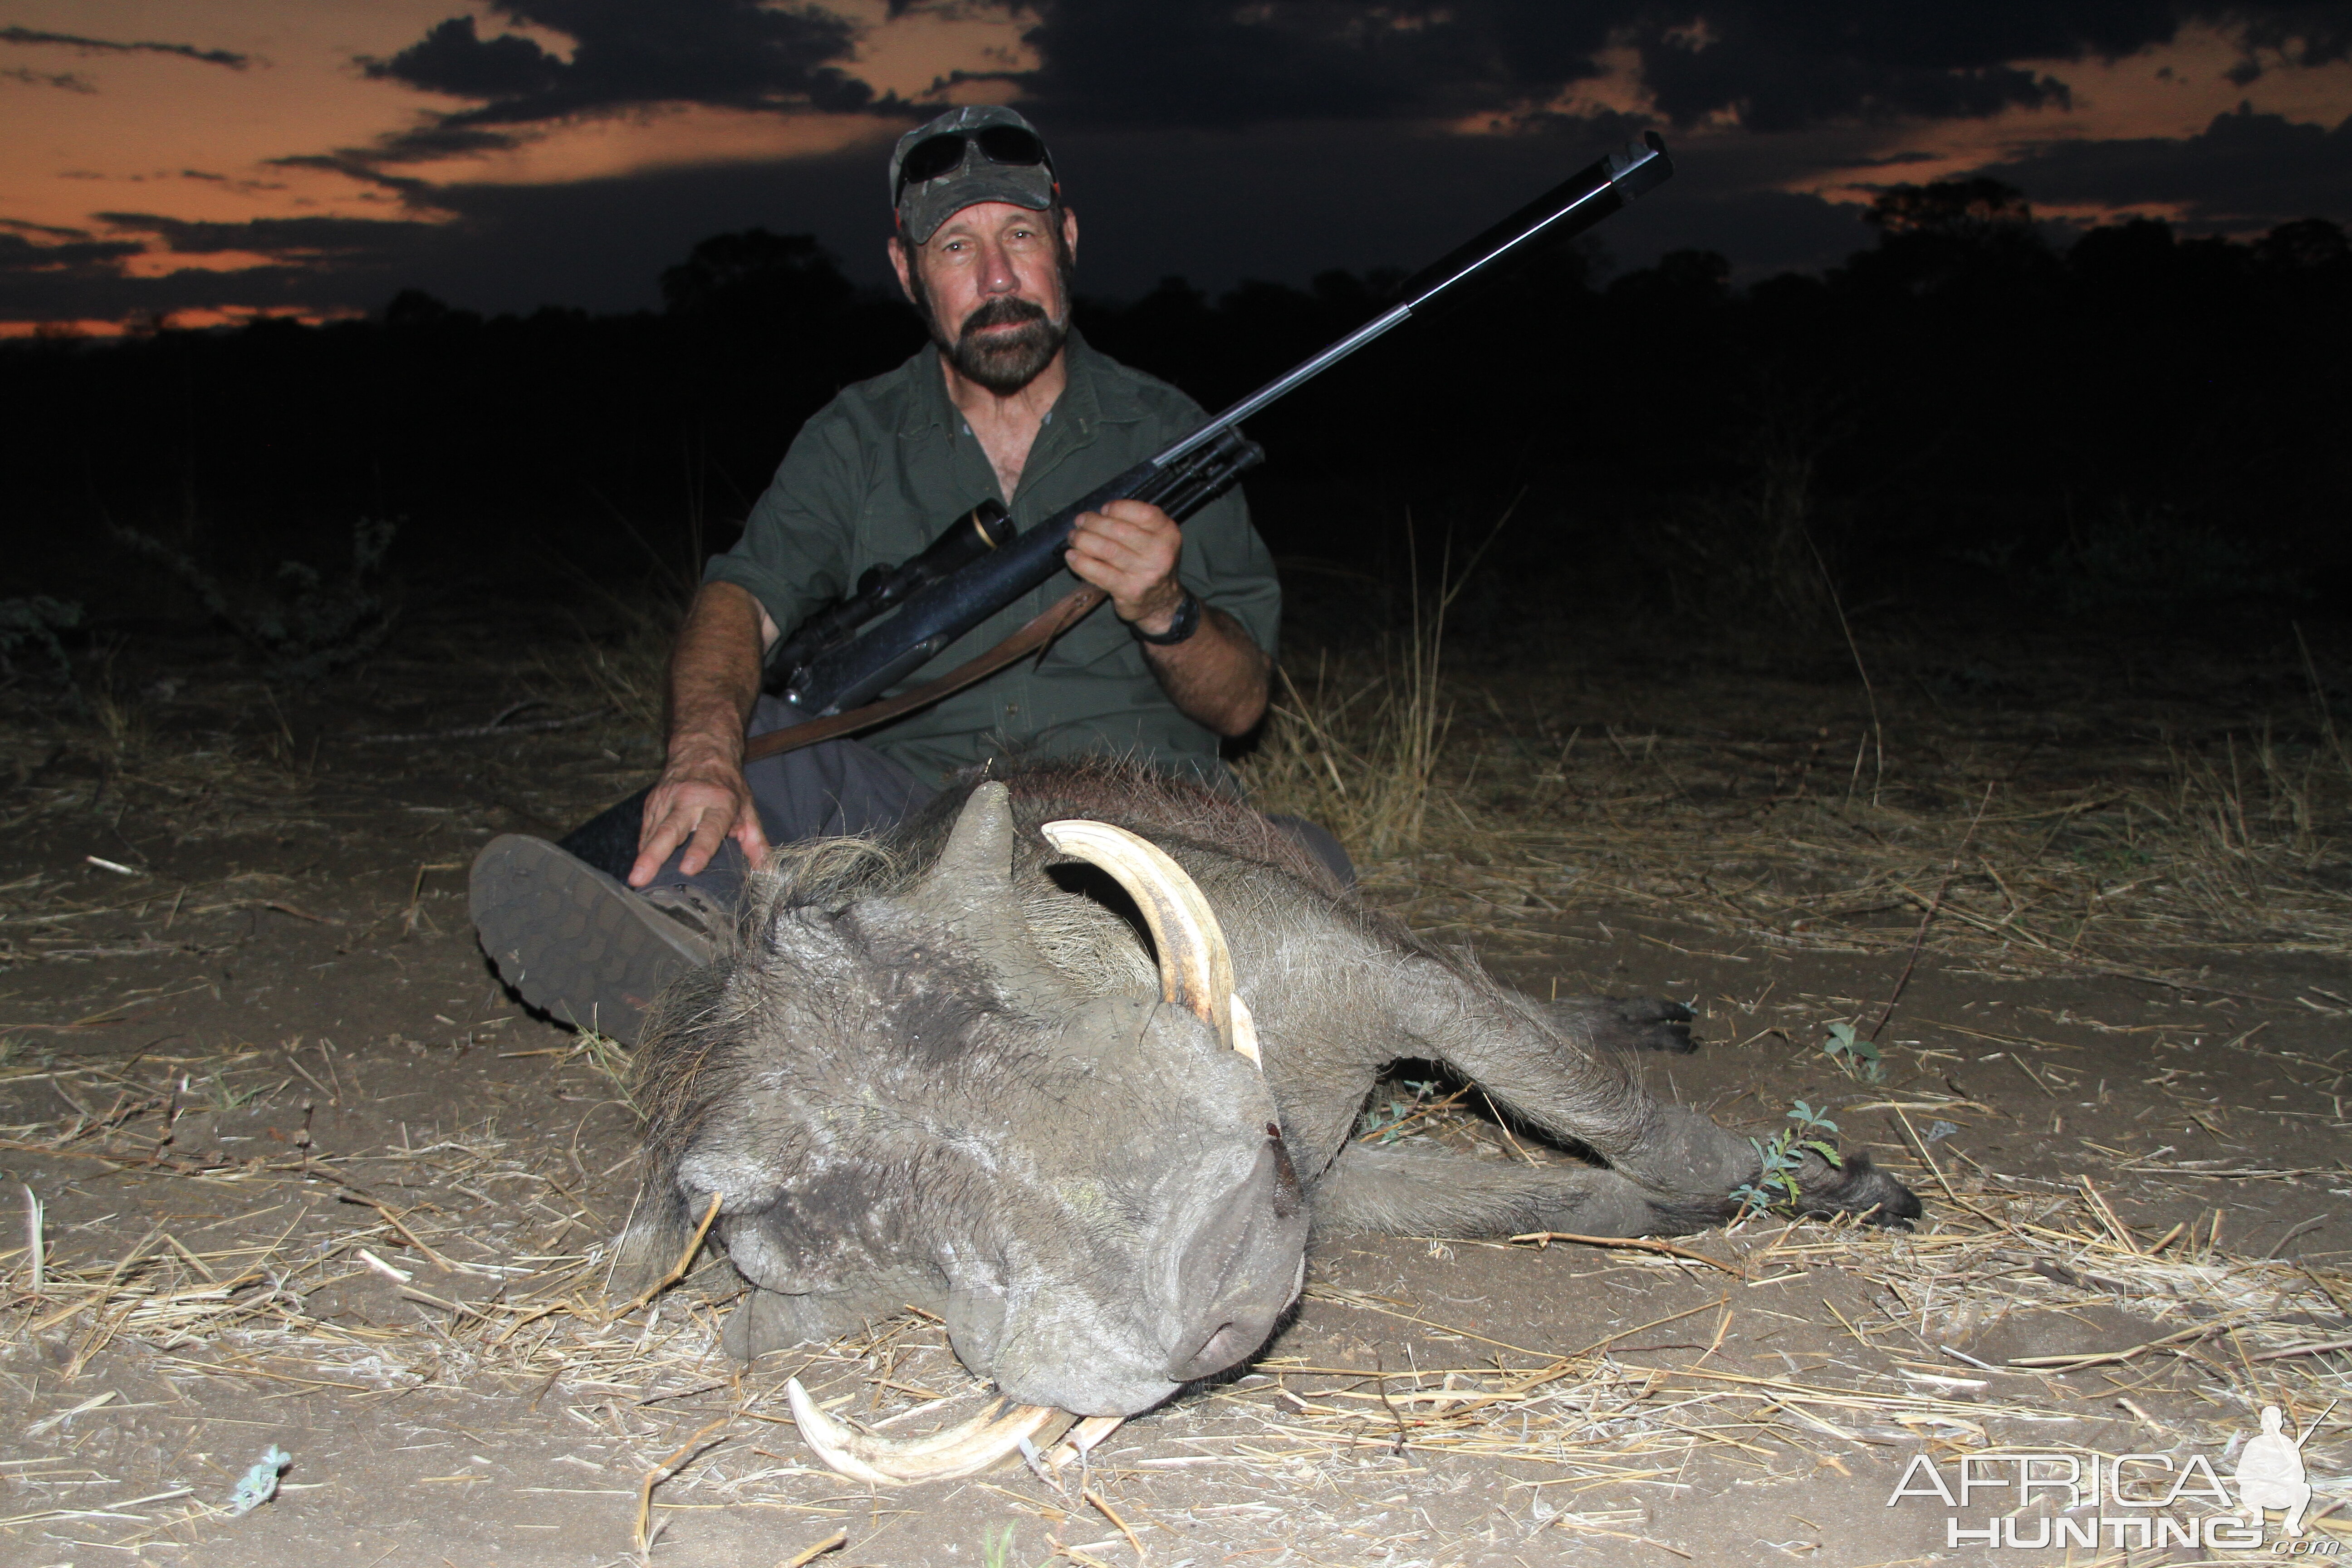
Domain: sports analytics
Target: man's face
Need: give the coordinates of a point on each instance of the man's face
(991, 283)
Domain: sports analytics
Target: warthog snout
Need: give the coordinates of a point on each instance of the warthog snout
(1240, 1268)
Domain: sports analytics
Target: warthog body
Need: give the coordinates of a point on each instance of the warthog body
(939, 1071)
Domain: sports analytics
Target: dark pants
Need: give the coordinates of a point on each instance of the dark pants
(831, 790)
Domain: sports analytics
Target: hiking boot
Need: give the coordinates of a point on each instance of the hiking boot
(581, 945)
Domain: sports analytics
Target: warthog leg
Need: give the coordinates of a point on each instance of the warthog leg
(1391, 1192)
(1558, 1070)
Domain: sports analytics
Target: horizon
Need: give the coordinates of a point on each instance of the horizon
(211, 163)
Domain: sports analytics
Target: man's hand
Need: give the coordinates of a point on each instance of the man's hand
(1217, 677)
(699, 802)
(1130, 550)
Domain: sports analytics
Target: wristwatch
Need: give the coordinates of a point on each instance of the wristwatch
(1181, 626)
(1186, 622)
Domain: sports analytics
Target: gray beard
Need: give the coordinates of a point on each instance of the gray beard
(1003, 363)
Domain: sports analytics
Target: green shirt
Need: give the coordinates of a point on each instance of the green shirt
(879, 471)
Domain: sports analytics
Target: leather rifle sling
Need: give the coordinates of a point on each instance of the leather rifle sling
(1060, 617)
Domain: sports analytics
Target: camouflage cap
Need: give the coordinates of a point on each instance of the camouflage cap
(924, 205)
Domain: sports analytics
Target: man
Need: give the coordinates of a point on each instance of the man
(1008, 401)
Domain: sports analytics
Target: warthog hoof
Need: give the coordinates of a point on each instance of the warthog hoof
(1857, 1187)
(1628, 1024)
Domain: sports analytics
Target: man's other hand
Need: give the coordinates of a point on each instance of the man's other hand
(699, 802)
(1130, 550)
(701, 799)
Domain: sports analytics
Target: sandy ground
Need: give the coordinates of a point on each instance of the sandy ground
(310, 1178)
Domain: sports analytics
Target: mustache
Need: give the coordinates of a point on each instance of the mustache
(1001, 312)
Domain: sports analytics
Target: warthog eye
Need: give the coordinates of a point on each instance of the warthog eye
(1288, 1195)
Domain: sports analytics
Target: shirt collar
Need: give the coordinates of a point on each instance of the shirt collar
(1092, 397)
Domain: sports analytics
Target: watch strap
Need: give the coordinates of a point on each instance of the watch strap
(1187, 621)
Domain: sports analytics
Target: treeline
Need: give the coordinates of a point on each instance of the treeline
(2135, 420)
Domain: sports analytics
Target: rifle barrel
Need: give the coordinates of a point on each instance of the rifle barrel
(1570, 207)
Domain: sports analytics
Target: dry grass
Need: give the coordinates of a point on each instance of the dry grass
(1498, 831)
(2241, 843)
(626, 669)
(1357, 750)
(657, 1412)
(1360, 748)
(112, 762)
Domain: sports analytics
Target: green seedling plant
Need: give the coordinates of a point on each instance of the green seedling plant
(1782, 1156)
(1386, 1120)
(218, 1095)
(996, 1549)
(259, 1484)
(1857, 1055)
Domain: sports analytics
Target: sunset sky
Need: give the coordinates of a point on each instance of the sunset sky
(215, 158)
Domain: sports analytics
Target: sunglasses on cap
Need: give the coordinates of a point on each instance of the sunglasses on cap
(943, 153)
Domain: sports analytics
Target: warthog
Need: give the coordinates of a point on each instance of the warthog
(1073, 1059)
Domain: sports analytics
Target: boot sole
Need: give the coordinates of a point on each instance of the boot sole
(572, 941)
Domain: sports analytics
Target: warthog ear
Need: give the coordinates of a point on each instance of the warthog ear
(976, 867)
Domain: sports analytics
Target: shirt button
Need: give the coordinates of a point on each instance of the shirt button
(1011, 709)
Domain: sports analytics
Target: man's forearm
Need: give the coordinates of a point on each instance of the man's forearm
(1217, 677)
(714, 674)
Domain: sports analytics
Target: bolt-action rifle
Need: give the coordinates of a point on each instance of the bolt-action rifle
(837, 662)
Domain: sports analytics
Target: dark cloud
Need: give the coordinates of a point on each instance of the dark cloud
(101, 293)
(421, 144)
(228, 57)
(1774, 65)
(87, 256)
(1781, 66)
(320, 265)
(67, 81)
(54, 231)
(2301, 36)
(1214, 63)
(2245, 172)
(625, 56)
(456, 60)
(323, 238)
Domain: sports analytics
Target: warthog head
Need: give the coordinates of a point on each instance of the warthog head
(905, 1099)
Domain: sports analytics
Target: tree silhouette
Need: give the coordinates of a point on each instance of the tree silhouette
(755, 273)
(1956, 209)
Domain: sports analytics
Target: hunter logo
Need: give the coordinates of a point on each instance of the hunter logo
(2135, 1500)
(2270, 1474)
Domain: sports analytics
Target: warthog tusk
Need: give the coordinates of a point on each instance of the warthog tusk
(959, 1451)
(1246, 1032)
(1196, 967)
(1081, 1439)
